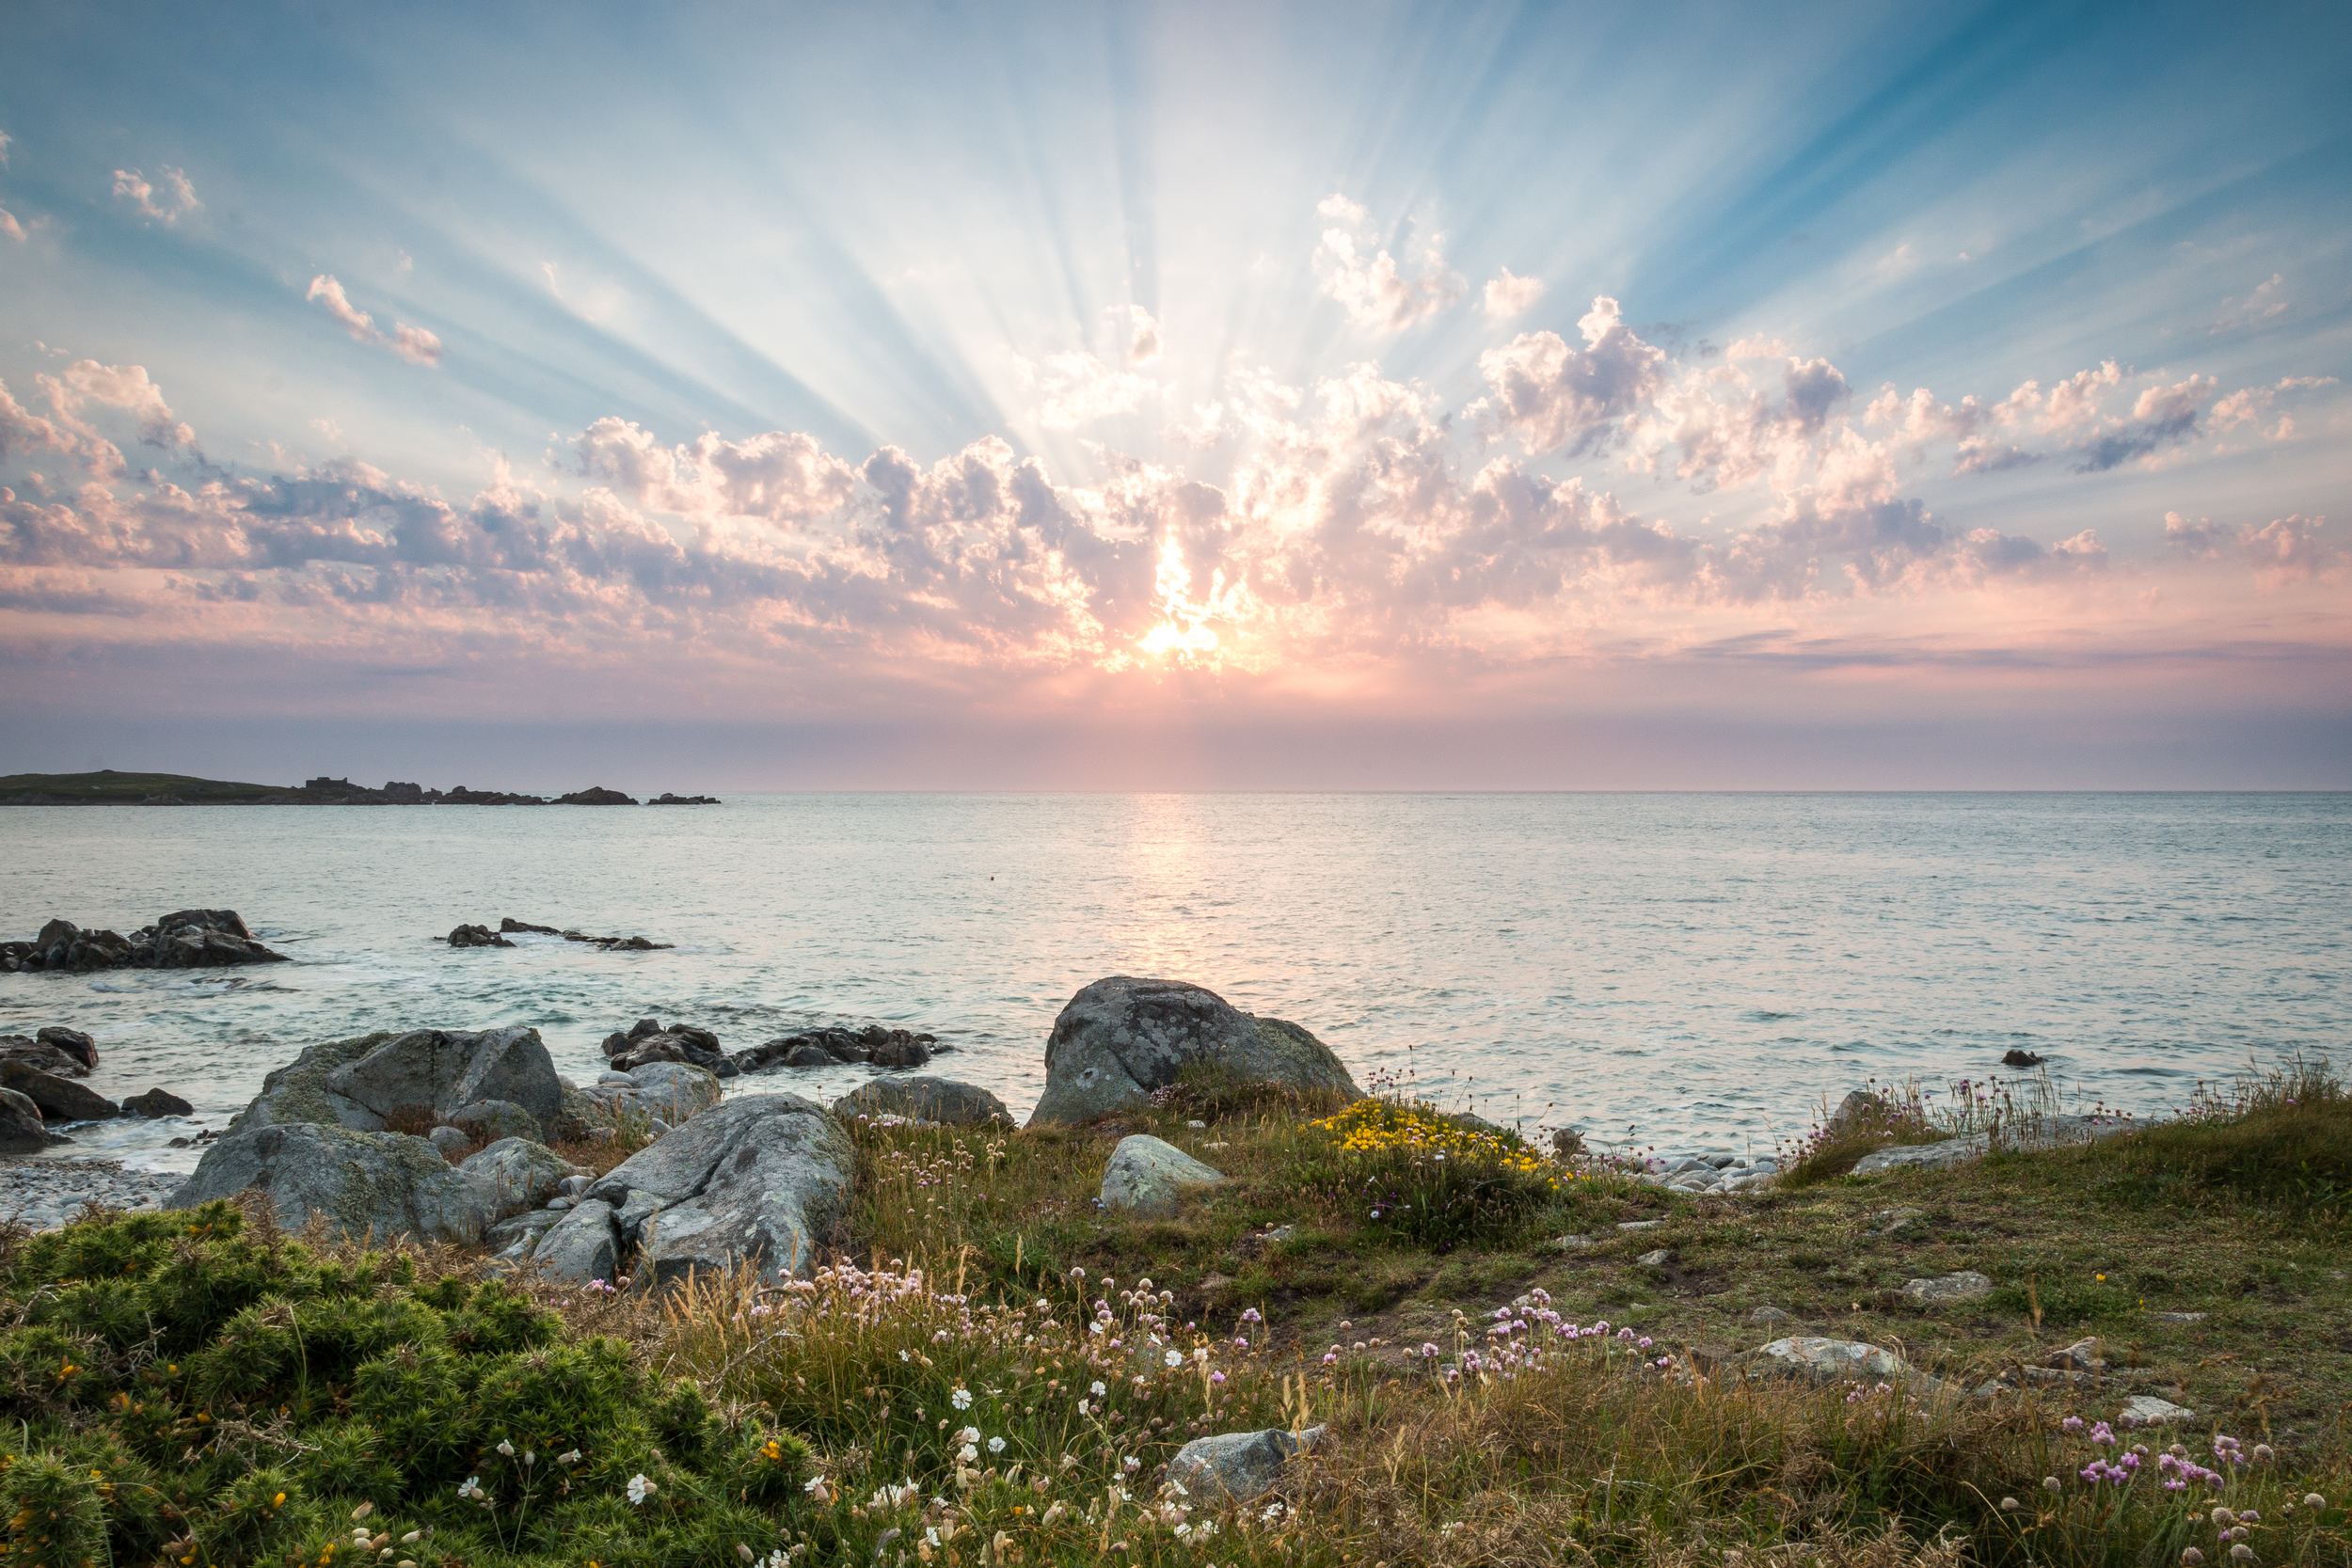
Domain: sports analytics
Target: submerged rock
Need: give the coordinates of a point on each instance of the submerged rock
(1118, 1040)
(1237, 1466)
(157, 1103)
(476, 936)
(922, 1098)
(875, 1043)
(1149, 1175)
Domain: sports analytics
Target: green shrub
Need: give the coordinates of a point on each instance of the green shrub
(1425, 1179)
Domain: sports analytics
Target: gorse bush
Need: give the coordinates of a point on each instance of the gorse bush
(1426, 1177)
(176, 1387)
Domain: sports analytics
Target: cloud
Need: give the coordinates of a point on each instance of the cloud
(1077, 389)
(778, 476)
(178, 197)
(2265, 302)
(1507, 295)
(1557, 399)
(1372, 285)
(5, 141)
(80, 386)
(2282, 552)
(1143, 335)
(412, 343)
(2161, 417)
(10, 227)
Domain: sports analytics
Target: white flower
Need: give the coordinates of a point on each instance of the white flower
(1098, 1391)
(932, 1536)
(571, 1458)
(1085, 1409)
(967, 1454)
(968, 1434)
(1098, 1325)
(471, 1488)
(996, 1444)
(507, 1448)
(1131, 1465)
(960, 1398)
(1175, 1358)
(1273, 1511)
(639, 1488)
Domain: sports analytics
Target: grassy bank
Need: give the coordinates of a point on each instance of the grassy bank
(995, 1370)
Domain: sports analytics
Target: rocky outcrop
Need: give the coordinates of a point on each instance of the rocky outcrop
(359, 1184)
(647, 1041)
(65, 1053)
(476, 936)
(509, 926)
(668, 800)
(596, 794)
(185, 938)
(1237, 1466)
(486, 1121)
(157, 1103)
(2045, 1132)
(760, 1179)
(59, 1099)
(583, 1244)
(922, 1098)
(516, 1174)
(875, 1044)
(1120, 1038)
(1150, 1175)
(71, 1043)
(22, 1131)
(428, 1073)
(667, 1092)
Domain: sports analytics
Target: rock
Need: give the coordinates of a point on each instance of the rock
(1639, 1225)
(2014, 1057)
(477, 936)
(21, 1129)
(1770, 1315)
(679, 1043)
(900, 1055)
(1118, 1040)
(185, 938)
(875, 1043)
(2081, 1356)
(2148, 1410)
(644, 1026)
(487, 1122)
(157, 1103)
(516, 1237)
(672, 1092)
(1571, 1244)
(922, 1098)
(595, 796)
(666, 799)
(1829, 1360)
(298, 1091)
(59, 1099)
(576, 1186)
(1967, 1284)
(516, 1174)
(382, 1185)
(808, 1055)
(2178, 1317)
(70, 1042)
(2048, 1132)
(580, 1245)
(509, 925)
(1859, 1108)
(48, 1060)
(448, 1140)
(438, 1072)
(1148, 1175)
(1567, 1143)
(1236, 1466)
(1657, 1260)
(759, 1179)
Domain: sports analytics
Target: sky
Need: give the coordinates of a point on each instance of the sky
(1199, 396)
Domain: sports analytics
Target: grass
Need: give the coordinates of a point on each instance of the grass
(107, 785)
(993, 1370)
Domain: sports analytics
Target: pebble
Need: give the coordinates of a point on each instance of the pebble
(1639, 1225)
(1657, 1260)
(46, 1194)
(2180, 1317)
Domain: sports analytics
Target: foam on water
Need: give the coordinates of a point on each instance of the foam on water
(1653, 968)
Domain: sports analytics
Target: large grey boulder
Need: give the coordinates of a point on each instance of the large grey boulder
(59, 1099)
(1120, 1038)
(1150, 1175)
(581, 1245)
(439, 1071)
(671, 1092)
(517, 1172)
(487, 1122)
(21, 1129)
(758, 1179)
(361, 1184)
(923, 1098)
(1236, 1466)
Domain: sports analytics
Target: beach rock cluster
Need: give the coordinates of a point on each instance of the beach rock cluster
(648, 1040)
(66, 1052)
(1120, 1038)
(41, 1074)
(481, 936)
(1710, 1173)
(668, 800)
(874, 1044)
(184, 939)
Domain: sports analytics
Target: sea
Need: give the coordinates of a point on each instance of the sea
(1664, 972)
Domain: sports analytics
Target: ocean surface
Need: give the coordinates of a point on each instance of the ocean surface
(1667, 971)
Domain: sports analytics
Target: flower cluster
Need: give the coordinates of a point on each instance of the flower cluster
(1380, 1126)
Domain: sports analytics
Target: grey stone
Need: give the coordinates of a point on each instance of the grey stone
(808, 1055)
(1657, 1260)
(1118, 1040)
(2048, 1132)
(488, 1120)
(21, 1129)
(1770, 1315)
(1572, 1243)
(2081, 1356)
(382, 1184)
(298, 1091)
(632, 1216)
(516, 1237)
(560, 1202)
(448, 1140)
(156, 1104)
(2148, 1410)
(922, 1098)
(759, 1179)
(516, 1174)
(1827, 1360)
(438, 1071)
(580, 1245)
(576, 1185)
(1858, 1107)
(1967, 1284)
(59, 1099)
(2178, 1317)
(1236, 1466)
(72, 1043)
(23, 1048)
(669, 1092)
(1639, 1225)
(1148, 1175)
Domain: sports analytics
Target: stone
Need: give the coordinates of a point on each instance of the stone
(1827, 1360)
(1237, 1466)
(679, 1043)
(59, 1099)
(516, 1174)
(580, 1245)
(808, 1055)
(438, 1071)
(669, 1092)
(1118, 1040)
(576, 1185)
(832, 1045)
(900, 1055)
(486, 1121)
(448, 1140)
(1859, 1108)
(2178, 1317)
(1572, 1243)
(2148, 1410)
(477, 936)
(2047, 1133)
(596, 794)
(757, 1180)
(72, 1042)
(21, 1129)
(2081, 1356)
(1149, 1175)
(1967, 1284)
(1770, 1315)
(157, 1103)
(560, 1203)
(184, 939)
(1657, 1260)
(361, 1184)
(24, 1048)
(922, 1098)
(2014, 1057)
(516, 1237)
(1639, 1225)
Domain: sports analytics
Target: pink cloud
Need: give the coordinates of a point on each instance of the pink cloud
(1557, 399)
(1378, 292)
(412, 343)
(1507, 297)
(166, 201)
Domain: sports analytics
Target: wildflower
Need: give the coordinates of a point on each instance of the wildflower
(2009, 1505)
(639, 1488)
(2264, 1453)
(1250, 1315)
(1131, 1465)
(2191, 1556)
(2313, 1499)
(506, 1448)
(2050, 1484)
(571, 1458)
(2241, 1553)
(2223, 1518)
(960, 1398)
(1240, 1343)
(996, 1444)
(1098, 1391)
(471, 1489)
(967, 1454)
(967, 1434)
(2072, 1423)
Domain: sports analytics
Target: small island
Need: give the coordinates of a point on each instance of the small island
(107, 787)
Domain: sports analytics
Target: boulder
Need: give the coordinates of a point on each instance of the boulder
(1237, 1466)
(438, 1071)
(477, 936)
(2015, 1057)
(899, 1055)
(1148, 1175)
(298, 1091)
(679, 1043)
(360, 1184)
(1967, 1284)
(757, 1180)
(1119, 1040)
(807, 1056)
(519, 1236)
(73, 1043)
(59, 1099)
(48, 1060)
(2148, 1410)
(448, 1140)
(1826, 1360)
(516, 1174)
(1859, 1108)
(21, 1129)
(157, 1103)
(486, 1121)
(669, 1092)
(582, 1244)
(596, 794)
(876, 1043)
(922, 1098)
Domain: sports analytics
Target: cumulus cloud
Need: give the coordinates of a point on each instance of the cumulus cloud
(1380, 293)
(2282, 552)
(2161, 417)
(10, 227)
(2265, 302)
(1507, 295)
(1078, 388)
(779, 477)
(412, 343)
(166, 200)
(6, 141)
(1558, 399)
(1143, 335)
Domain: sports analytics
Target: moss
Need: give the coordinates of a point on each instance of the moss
(297, 1092)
